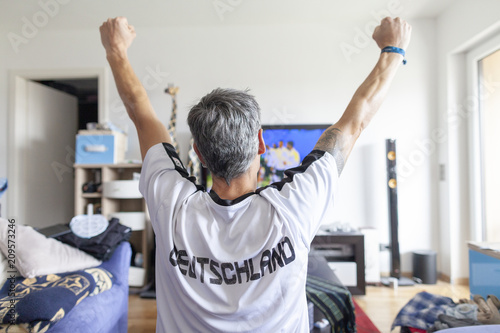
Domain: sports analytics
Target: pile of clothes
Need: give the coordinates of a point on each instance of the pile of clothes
(426, 313)
(103, 244)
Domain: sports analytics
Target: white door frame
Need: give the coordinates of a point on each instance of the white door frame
(476, 160)
(17, 120)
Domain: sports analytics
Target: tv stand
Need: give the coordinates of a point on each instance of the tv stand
(333, 245)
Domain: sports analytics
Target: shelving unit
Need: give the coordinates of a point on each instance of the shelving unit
(142, 233)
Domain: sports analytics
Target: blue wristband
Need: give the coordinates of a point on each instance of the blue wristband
(394, 49)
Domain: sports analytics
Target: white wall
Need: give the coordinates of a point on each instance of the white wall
(408, 116)
(3, 123)
(462, 25)
(299, 75)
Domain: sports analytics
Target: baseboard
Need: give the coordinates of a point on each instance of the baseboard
(462, 281)
(405, 274)
(458, 281)
(441, 277)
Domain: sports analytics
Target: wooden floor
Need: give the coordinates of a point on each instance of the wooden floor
(381, 304)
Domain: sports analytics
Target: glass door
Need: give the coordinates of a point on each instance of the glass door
(489, 114)
(481, 106)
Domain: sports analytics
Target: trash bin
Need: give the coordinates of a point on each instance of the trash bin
(425, 266)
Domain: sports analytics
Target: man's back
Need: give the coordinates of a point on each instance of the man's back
(233, 266)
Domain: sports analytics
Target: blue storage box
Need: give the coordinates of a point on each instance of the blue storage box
(100, 147)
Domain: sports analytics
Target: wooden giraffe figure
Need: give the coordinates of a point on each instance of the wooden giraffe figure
(172, 91)
(194, 164)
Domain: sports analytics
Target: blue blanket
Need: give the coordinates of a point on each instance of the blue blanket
(40, 302)
(422, 311)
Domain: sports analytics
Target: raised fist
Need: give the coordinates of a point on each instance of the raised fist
(392, 32)
(117, 35)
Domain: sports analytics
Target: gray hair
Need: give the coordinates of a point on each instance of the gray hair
(225, 125)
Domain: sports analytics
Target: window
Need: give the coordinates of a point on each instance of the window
(489, 109)
(484, 132)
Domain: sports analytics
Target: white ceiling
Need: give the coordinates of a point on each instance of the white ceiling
(89, 14)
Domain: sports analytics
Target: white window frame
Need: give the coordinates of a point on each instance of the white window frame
(476, 158)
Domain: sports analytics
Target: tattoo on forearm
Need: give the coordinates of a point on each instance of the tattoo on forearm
(331, 141)
(328, 139)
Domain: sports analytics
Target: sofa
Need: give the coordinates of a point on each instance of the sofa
(327, 296)
(106, 312)
(473, 329)
(49, 286)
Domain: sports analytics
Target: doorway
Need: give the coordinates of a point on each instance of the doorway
(86, 91)
(46, 110)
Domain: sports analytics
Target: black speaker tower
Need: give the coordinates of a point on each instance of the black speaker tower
(392, 198)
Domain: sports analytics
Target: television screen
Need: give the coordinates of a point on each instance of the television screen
(286, 147)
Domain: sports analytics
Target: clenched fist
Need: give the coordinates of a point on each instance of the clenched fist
(116, 36)
(392, 32)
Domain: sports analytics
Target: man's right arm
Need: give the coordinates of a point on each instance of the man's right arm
(117, 36)
(340, 138)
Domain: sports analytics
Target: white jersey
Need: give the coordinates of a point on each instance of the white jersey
(234, 266)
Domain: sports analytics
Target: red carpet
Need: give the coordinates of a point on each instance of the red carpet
(363, 322)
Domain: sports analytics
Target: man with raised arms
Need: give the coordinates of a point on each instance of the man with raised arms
(235, 259)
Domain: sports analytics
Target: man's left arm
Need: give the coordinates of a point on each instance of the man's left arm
(117, 36)
(339, 139)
